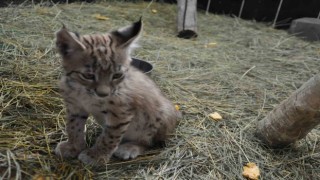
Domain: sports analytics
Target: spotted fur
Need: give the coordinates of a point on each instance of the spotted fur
(98, 80)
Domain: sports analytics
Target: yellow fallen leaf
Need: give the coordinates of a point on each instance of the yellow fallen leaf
(211, 45)
(40, 177)
(215, 116)
(177, 107)
(42, 10)
(100, 17)
(154, 11)
(251, 171)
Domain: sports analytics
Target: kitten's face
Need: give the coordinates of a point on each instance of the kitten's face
(98, 62)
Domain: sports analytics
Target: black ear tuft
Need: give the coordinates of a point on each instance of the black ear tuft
(63, 26)
(128, 34)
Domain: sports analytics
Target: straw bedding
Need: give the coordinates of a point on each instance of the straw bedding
(240, 69)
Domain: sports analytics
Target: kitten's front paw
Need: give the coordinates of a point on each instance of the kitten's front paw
(67, 150)
(128, 151)
(89, 157)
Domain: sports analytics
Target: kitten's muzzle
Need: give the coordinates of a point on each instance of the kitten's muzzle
(102, 91)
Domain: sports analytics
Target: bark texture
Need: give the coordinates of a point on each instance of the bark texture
(294, 117)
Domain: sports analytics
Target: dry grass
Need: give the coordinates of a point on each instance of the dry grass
(250, 70)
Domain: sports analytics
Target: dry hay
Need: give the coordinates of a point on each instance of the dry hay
(249, 70)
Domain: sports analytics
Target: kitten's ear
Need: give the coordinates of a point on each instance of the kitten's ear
(68, 42)
(127, 35)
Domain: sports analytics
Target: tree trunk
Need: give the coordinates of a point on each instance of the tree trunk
(187, 18)
(294, 118)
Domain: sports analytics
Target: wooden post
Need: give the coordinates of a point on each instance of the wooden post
(187, 19)
(277, 14)
(294, 117)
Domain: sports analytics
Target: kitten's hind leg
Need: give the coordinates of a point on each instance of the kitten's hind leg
(129, 150)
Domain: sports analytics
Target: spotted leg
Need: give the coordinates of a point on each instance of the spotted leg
(114, 126)
(75, 128)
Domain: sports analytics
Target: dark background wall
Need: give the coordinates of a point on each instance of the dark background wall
(260, 10)
(5, 3)
(265, 10)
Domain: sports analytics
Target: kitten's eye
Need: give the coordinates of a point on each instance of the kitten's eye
(117, 76)
(88, 76)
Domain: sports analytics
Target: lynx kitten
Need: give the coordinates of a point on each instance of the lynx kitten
(99, 81)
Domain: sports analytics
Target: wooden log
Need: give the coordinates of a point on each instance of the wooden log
(294, 117)
(187, 18)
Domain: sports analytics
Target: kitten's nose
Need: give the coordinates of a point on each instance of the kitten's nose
(102, 94)
(102, 91)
